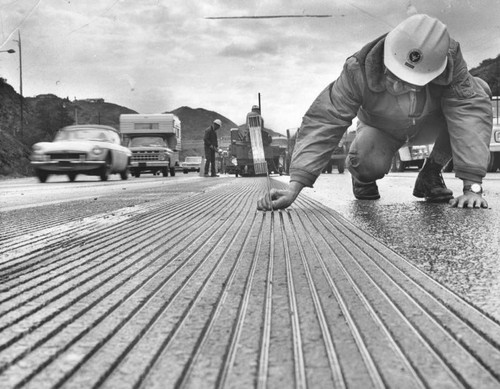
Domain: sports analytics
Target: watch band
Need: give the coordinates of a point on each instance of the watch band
(474, 188)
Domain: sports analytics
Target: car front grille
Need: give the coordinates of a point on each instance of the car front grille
(145, 156)
(67, 156)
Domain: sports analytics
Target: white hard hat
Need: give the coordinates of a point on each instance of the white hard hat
(416, 50)
(217, 121)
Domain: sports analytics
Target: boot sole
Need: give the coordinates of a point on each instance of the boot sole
(372, 197)
(437, 199)
(442, 199)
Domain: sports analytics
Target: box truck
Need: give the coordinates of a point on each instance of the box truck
(154, 140)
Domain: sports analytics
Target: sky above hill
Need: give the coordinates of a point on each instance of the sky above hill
(157, 55)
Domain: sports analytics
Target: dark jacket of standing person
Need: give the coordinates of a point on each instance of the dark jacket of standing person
(211, 146)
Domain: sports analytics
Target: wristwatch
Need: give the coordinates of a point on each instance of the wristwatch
(474, 188)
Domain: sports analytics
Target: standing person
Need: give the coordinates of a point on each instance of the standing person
(410, 84)
(211, 146)
(255, 113)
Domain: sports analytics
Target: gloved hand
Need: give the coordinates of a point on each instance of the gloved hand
(469, 200)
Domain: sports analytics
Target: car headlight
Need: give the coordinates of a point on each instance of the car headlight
(37, 156)
(497, 136)
(36, 148)
(161, 157)
(97, 150)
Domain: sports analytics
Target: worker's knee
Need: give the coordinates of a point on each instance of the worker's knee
(366, 169)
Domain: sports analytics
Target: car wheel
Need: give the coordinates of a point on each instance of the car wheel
(72, 177)
(491, 163)
(172, 171)
(341, 166)
(397, 164)
(106, 170)
(124, 174)
(165, 172)
(42, 175)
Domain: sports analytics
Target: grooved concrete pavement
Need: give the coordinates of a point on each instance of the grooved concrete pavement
(201, 290)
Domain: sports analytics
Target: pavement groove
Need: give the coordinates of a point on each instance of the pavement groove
(396, 328)
(469, 330)
(201, 290)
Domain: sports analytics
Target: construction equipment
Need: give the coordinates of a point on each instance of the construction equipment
(253, 153)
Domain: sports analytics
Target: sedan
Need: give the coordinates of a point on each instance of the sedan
(82, 149)
(191, 164)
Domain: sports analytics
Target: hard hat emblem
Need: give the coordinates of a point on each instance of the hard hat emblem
(414, 56)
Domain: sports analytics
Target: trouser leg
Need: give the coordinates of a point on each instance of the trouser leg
(369, 159)
(371, 152)
(212, 162)
(435, 131)
(207, 159)
(430, 183)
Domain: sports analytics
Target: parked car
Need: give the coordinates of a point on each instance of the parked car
(191, 164)
(494, 162)
(82, 149)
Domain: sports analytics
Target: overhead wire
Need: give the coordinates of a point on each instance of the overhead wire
(18, 26)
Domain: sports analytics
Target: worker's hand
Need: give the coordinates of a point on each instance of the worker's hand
(277, 199)
(469, 200)
(280, 199)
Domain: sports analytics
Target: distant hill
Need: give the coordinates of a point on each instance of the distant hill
(194, 121)
(489, 71)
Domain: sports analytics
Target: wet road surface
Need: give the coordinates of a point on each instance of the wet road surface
(457, 247)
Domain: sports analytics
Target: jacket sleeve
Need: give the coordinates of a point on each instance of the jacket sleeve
(468, 112)
(206, 138)
(324, 124)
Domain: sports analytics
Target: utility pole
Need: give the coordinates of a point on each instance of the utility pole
(20, 82)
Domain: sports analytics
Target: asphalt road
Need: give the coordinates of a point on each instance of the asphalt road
(457, 247)
(180, 282)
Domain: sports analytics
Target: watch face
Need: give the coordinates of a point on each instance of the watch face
(476, 188)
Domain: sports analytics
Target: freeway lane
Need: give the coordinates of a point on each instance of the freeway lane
(459, 248)
(28, 192)
(181, 283)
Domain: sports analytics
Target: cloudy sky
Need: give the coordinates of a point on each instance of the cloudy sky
(157, 55)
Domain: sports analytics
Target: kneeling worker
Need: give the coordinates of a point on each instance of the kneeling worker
(411, 84)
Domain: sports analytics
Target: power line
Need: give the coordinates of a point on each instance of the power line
(268, 17)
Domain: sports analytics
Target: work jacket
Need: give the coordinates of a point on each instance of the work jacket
(210, 138)
(360, 91)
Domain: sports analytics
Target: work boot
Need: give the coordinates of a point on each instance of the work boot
(430, 184)
(365, 191)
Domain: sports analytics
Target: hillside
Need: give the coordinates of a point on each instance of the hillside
(45, 114)
(489, 71)
(194, 121)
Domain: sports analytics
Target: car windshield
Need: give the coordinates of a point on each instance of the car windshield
(85, 134)
(147, 141)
